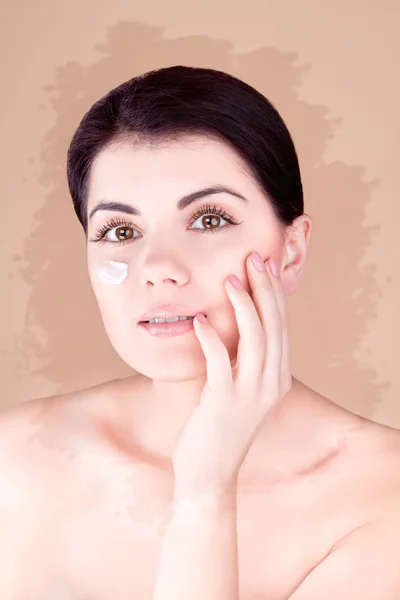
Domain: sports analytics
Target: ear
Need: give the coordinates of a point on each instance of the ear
(297, 237)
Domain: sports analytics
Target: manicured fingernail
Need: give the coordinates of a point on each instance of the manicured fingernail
(235, 281)
(258, 261)
(273, 267)
(202, 318)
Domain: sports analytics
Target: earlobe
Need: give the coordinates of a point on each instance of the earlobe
(289, 286)
(290, 278)
(295, 252)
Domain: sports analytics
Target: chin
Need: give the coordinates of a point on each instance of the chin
(172, 362)
(166, 367)
(178, 374)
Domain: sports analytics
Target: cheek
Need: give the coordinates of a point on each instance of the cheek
(223, 320)
(111, 272)
(224, 323)
(105, 278)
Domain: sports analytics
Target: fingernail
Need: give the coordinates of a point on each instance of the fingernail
(235, 281)
(258, 261)
(202, 318)
(273, 267)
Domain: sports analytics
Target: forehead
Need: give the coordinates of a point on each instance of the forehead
(181, 165)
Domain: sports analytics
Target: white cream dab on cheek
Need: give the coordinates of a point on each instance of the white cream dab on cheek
(113, 272)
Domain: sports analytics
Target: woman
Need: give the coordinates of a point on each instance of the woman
(213, 473)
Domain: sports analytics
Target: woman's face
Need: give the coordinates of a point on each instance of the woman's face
(175, 256)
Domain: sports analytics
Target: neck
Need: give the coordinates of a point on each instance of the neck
(300, 435)
(163, 409)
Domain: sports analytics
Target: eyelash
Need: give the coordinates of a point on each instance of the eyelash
(204, 210)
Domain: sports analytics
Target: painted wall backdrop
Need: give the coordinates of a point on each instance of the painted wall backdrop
(332, 71)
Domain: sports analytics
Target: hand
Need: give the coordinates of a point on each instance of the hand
(235, 400)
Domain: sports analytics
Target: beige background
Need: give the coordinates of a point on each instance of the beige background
(331, 68)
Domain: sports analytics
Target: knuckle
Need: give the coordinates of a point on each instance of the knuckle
(270, 388)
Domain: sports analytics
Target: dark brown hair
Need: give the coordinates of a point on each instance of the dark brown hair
(167, 103)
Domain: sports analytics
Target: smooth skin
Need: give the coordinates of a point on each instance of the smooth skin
(235, 400)
(99, 486)
(199, 554)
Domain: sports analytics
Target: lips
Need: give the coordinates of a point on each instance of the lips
(175, 321)
(168, 330)
(167, 312)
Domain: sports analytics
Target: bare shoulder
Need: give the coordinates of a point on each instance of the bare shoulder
(373, 447)
(17, 426)
(373, 473)
(374, 500)
(35, 434)
(384, 440)
(384, 455)
(363, 475)
(21, 489)
(30, 474)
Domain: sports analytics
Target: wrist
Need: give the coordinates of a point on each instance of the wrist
(192, 488)
(196, 508)
(192, 498)
(207, 488)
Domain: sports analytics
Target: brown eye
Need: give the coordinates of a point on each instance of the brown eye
(123, 233)
(116, 231)
(211, 221)
(119, 231)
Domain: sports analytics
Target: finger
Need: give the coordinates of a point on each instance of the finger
(265, 300)
(218, 362)
(286, 378)
(251, 347)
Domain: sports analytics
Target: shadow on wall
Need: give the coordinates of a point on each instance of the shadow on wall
(328, 315)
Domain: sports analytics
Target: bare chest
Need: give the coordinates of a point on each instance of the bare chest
(104, 519)
(105, 544)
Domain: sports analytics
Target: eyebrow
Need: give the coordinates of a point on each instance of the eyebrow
(181, 205)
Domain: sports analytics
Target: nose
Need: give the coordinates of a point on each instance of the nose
(160, 271)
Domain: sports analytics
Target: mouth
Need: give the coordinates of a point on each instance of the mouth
(169, 327)
(168, 320)
(167, 313)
